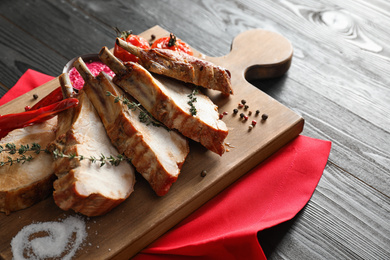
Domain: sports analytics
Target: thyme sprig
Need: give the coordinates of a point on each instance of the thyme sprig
(122, 34)
(12, 149)
(102, 160)
(36, 148)
(144, 116)
(172, 40)
(192, 100)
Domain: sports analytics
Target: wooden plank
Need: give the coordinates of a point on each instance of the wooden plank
(50, 44)
(317, 86)
(149, 216)
(341, 100)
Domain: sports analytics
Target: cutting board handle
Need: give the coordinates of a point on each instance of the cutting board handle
(259, 54)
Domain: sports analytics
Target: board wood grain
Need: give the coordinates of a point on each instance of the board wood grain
(144, 216)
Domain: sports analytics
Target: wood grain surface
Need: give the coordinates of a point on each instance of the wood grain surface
(338, 82)
(148, 216)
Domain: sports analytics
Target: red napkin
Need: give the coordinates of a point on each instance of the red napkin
(226, 227)
(28, 81)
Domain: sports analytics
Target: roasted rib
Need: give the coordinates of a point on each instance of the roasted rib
(168, 103)
(83, 186)
(22, 185)
(181, 66)
(155, 152)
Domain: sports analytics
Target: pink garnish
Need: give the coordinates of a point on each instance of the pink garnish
(95, 67)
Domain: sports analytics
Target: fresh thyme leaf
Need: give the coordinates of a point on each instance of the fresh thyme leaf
(36, 148)
(11, 148)
(102, 158)
(192, 100)
(144, 116)
(23, 149)
(10, 161)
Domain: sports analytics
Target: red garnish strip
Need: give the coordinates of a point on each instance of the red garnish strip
(52, 97)
(19, 120)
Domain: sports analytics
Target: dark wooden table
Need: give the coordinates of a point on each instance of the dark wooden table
(339, 82)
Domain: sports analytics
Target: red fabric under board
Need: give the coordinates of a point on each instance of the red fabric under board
(28, 81)
(226, 227)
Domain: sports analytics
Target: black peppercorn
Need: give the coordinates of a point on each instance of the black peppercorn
(235, 111)
(35, 96)
(242, 115)
(243, 101)
(264, 116)
(257, 112)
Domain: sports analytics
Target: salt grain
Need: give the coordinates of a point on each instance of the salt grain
(62, 239)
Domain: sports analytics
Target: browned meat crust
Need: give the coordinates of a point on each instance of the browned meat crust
(67, 196)
(26, 196)
(181, 66)
(156, 153)
(168, 103)
(83, 186)
(23, 185)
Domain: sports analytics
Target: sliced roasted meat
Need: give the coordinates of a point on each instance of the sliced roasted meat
(181, 66)
(22, 185)
(82, 185)
(156, 152)
(173, 103)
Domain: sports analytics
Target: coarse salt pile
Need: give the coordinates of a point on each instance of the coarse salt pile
(62, 239)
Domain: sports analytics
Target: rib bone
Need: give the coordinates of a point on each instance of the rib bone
(86, 187)
(156, 153)
(181, 66)
(168, 103)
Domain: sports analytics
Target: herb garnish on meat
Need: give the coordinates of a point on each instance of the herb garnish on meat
(36, 148)
(144, 116)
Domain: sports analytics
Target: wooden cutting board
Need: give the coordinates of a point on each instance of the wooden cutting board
(144, 217)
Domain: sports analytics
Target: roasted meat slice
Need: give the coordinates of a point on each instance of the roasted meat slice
(156, 152)
(82, 185)
(181, 66)
(22, 185)
(173, 103)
